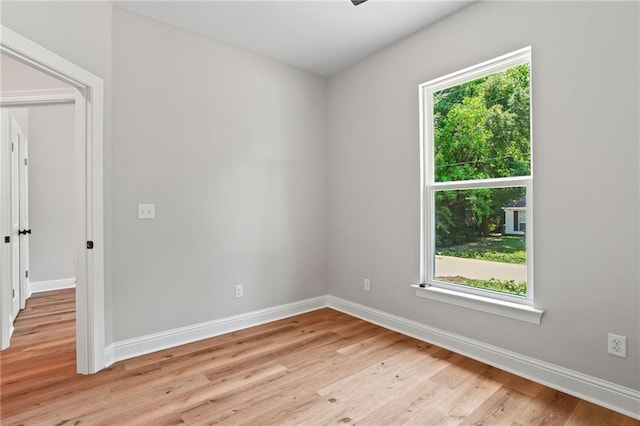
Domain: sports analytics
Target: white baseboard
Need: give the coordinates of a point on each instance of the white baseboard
(130, 348)
(610, 395)
(40, 286)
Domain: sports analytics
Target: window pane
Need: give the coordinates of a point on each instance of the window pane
(480, 238)
(482, 127)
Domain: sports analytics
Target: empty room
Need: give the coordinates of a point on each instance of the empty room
(320, 212)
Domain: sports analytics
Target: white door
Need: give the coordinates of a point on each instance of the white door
(19, 215)
(15, 218)
(24, 216)
(19, 218)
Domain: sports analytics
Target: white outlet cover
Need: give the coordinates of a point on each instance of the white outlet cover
(146, 211)
(617, 345)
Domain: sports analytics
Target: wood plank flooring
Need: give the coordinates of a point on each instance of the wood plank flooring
(319, 368)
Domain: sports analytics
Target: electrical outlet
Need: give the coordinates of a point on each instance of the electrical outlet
(617, 345)
(146, 211)
(367, 284)
(239, 290)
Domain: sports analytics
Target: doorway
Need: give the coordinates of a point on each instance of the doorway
(41, 137)
(88, 200)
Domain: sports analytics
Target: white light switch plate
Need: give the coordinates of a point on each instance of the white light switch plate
(146, 211)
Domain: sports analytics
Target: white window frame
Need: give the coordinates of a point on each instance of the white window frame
(518, 307)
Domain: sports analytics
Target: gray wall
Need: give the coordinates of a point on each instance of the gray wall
(585, 127)
(17, 76)
(231, 148)
(51, 215)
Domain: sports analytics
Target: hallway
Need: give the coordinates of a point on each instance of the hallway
(43, 349)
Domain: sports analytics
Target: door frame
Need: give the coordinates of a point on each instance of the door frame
(89, 99)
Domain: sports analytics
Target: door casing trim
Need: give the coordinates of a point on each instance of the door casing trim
(89, 100)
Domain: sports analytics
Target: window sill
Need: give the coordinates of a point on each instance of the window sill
(484, 304)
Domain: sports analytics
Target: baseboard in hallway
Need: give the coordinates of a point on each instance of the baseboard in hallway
(60, 284)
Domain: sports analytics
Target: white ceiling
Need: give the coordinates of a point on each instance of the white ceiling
(318, 36)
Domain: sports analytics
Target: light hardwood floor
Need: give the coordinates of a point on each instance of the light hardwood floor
(319, 368)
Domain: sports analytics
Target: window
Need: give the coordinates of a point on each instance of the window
(477, 181)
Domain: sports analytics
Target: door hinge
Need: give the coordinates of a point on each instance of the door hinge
(25, 161)
(26, 274)
(11, 146)
(7, 239)
(13, 293)
(89, 245)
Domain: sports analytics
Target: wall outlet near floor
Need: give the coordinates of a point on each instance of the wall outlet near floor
(367, 284)
(617, 345)
(239, 290)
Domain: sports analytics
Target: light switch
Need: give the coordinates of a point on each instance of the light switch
(146, 211)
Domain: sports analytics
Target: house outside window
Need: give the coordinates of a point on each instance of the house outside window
(477, 180)
(515, 217)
